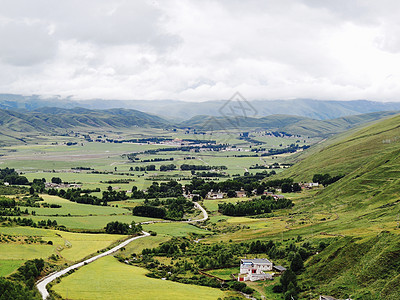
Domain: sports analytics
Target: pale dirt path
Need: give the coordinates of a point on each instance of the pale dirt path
(42, 283)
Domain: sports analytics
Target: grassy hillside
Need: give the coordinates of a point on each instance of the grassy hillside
(353, 152)
(49, 118)
(358, 268)
(363, 260)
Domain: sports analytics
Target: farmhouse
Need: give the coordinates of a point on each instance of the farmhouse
(253, 269)
(214, 195)
(240, 194)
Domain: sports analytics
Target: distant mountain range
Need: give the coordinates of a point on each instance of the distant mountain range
(287, 123)
(47, 119)
(173, 109)
(52, 119)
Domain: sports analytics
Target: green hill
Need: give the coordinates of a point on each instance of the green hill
(352, 153)
(358, 268)
(361, 213)
(295, 125)
(50, 118)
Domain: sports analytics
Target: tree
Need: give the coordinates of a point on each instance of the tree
(56, 180)
(291, 293)
(297, 264)
(231, 194)
(288, 277)
(286, 188)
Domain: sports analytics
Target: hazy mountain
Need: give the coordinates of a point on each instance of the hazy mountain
(290, 124)
(174, 109)
(50, 118)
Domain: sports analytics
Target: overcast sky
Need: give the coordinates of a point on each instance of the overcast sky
(201, 50)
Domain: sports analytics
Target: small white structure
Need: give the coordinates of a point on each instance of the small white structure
(253, 269)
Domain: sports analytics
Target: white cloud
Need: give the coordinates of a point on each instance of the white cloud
(201, 50)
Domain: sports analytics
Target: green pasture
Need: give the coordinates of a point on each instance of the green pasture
(174, 229)
(149, 242)
(107, 278)
(24, 251)
(74, 209)
(92, 222)
(225, 274)
(72, 246)
(9, 266)
(76, 246)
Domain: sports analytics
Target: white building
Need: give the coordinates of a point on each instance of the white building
(253, 269)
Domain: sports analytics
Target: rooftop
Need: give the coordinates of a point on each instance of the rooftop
(255, 261)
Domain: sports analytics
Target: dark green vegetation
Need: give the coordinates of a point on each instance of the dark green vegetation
(21, 284)
(254, 207)
(170, 209)
(192, 257)
(123, 228)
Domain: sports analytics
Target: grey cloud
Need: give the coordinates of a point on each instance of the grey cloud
(25, 44)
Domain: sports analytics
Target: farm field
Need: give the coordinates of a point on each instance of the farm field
(125, 282)
(69, 245)
(9, 266)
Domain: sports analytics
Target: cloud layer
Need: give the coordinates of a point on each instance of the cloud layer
(201, 50)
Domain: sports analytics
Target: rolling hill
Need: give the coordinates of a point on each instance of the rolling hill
(49, 118)
(183, 110)
(288, 123)
(363, 259)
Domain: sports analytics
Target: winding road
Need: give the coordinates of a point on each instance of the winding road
(42, 283)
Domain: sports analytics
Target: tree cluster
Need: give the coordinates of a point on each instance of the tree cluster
(123, 228)
(326, 179)
(254, 207)
(171, 209)
(12, 177)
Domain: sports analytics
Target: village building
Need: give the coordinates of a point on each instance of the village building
(254, 269)
(215, 195)
(241, 194)
(279, 269)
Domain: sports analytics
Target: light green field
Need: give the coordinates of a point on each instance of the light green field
(174, 229)
(72, 246)
(225, 274)
(9, 266)
(92, 222)
(75, 209)
(79, 245)
(149, 242)
(25, 251)
(107, 278)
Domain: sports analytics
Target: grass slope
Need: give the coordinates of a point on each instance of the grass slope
(107, 278)
(292, 124)
(358, 268)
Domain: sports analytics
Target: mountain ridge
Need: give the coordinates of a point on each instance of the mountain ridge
(178, 109)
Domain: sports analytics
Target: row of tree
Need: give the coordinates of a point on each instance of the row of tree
(254, 207)
(123, 228)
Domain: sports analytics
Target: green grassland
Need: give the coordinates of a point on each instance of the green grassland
(70, 246)
(9, 266)
(225, 274)
(106, 278)
(92, 222)
(174, 229)
(359, 268)
(74, 209)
